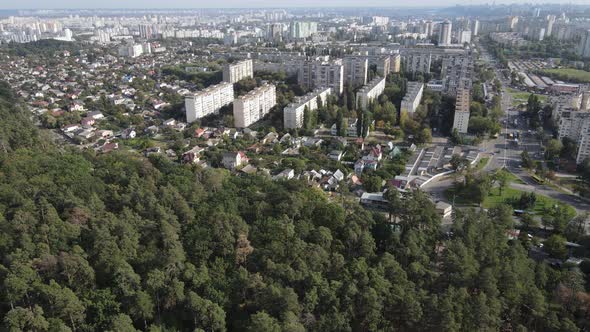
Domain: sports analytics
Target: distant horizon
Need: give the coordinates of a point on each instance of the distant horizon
(259, 4)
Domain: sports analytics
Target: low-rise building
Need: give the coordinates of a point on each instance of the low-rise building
(233, 160)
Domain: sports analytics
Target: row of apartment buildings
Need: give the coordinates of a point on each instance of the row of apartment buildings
(247, 109)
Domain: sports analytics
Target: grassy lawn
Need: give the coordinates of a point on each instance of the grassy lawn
(542, 202)
(482, 163)
(494, 198)
(568, 74)
(519, 97)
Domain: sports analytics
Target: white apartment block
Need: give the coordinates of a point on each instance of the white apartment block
(356, 69)
(294, 112)
(584, 143)
(301, 30)
(322, 74)
(208, 101)
(132, 51)
(253, 106)
(418, 62)
(465, 37)
(233, 72)
(572, 114)
(461, 120)
(584, 46)
(288, 67)
(572, 123)
(395, 63)
(370, 92)
(412, 98)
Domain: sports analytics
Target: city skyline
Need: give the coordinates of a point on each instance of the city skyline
(152, 4)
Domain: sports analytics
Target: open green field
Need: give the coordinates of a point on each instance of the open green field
(568, 74)
(543, 202)
(494, 198)
(519, 97)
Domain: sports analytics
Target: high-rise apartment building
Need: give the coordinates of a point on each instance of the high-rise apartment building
(412, 98)
(356, 69)
(208, 101)
(550, 22)
(322, 74)
(234, 72)
(145, 31)
(275, 32)
(428, 28)
(461, 120)
(293, 114)
(370, 92)
(465, 37)
(382, 63)
(302, 30)
(512, 22)
(584, 143)
(584, 47)
(254, 105)
(395, 63)
(132, 51)
(475, 28)
(444, 37)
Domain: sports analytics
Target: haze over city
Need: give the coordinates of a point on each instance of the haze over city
(61, 4)
(293, 166)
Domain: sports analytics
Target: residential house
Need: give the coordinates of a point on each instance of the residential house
(192, 156)
(233, 160)
(444, 209)
(87, 122)
(128, 133)
(336, 155)
(108, 147)
(96, 115)
(71, 128)
(286, 174)
(169, 123)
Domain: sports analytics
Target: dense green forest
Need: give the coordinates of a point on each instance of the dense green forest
(118, 242)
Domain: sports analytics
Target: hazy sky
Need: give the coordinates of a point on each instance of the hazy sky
(44, 4)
